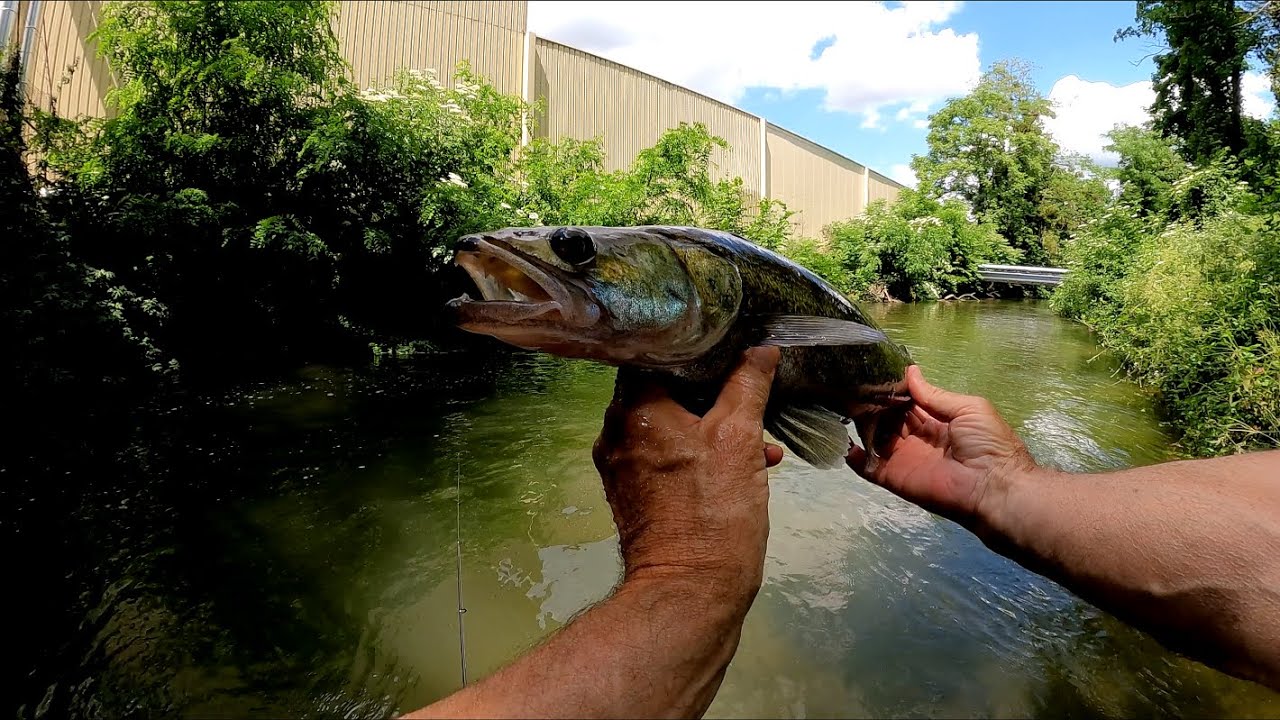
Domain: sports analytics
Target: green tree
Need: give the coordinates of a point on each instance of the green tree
(917, 248)
(671, 183)
(1199, 75)
(990, 148)
(1147, 169)
(1074, 194)
(77, 356)
(190, 192)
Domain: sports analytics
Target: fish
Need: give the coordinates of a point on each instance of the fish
(683, 304)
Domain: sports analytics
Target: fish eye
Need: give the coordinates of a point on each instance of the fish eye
(573, 245)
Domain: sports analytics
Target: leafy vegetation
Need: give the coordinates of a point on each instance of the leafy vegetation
(917, 249)
(246, 207)
(263, 211)
(1181, 275)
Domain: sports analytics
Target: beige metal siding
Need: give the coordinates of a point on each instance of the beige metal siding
(64, 67)
(820, 185)
(583, 95)
(586, 96)
(883, 188)
(379, 37)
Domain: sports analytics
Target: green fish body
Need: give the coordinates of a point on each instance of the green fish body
(685, 303)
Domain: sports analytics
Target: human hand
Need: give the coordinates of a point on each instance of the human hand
(950, 452)
(690, 495)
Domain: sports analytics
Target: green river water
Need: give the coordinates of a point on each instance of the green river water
(289, 550)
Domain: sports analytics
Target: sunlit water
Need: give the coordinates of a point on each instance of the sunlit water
(290, 550)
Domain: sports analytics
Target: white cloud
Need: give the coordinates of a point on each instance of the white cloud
(903, 174)
(1088, 110)
(1258, 100)
(882, 61)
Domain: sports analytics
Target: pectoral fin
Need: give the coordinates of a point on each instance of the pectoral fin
(813, 331)
(815, 434)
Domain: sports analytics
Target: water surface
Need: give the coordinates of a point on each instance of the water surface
(291, 549)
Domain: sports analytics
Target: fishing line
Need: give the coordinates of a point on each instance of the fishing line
(462, 609)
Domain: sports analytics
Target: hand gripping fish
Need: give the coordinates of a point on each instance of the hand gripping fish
(685, 303)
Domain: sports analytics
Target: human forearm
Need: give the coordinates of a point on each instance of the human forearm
(690, 498)
(1189, 551)
(658, 647)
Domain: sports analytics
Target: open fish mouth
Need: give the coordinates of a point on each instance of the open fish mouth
(512, 289)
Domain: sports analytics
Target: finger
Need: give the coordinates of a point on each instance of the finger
(639, 401)
(634, 389)
(747, 389)
(857, 461)
(942, 404)
(772, 455)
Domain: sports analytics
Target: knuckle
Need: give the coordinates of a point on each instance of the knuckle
(604, 454)
(675, 458)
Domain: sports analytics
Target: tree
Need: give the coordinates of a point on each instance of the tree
(1073, 194)
(1265, 16)
(1199, 75)
(990, 148)
(1147, 169)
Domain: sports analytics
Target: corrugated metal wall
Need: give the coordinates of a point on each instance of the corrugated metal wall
(587, 96)
(379, 37)
(584, 95)
(818, 183)
(62, 66)
(883, 188)
(376, 37)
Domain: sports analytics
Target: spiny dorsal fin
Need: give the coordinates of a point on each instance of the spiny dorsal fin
(813, 331)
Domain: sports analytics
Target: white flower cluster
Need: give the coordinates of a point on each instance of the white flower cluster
(373, 95)
(920, 222)
(425, 77)
(454, 179)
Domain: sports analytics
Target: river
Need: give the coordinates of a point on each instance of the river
(290, 549)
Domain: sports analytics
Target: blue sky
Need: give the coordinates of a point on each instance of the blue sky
(862, 77)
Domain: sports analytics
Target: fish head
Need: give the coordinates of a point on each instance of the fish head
(625, 296)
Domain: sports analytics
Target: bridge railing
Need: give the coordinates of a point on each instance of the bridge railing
(1022, 274)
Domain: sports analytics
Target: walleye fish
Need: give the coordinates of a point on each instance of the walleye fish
(685, 303)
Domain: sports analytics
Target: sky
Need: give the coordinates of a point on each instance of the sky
(862, 77)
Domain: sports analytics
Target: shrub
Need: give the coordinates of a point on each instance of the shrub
(916, 248)
(1185, 287)
(824, 263)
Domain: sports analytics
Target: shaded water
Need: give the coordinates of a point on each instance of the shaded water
(289, 550)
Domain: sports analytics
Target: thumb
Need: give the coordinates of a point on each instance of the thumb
(747, 389)
(942, 404)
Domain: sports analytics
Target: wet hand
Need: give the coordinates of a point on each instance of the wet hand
(951, 452)
(690, 495)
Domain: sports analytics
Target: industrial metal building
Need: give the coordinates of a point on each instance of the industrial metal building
(379, 37)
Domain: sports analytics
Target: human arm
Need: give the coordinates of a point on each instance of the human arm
(690, 499)
(1188, 551)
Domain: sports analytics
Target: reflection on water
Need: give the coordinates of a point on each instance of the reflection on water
(290, 550)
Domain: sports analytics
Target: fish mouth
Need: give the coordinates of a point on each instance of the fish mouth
(514, 290)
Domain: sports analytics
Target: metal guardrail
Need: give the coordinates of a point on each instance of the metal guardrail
(1021, 274)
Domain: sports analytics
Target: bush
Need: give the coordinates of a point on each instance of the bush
(272, 213)
(565, 183)
(75, 359)
(1185, 287)
(823, 262)
(916, 248)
